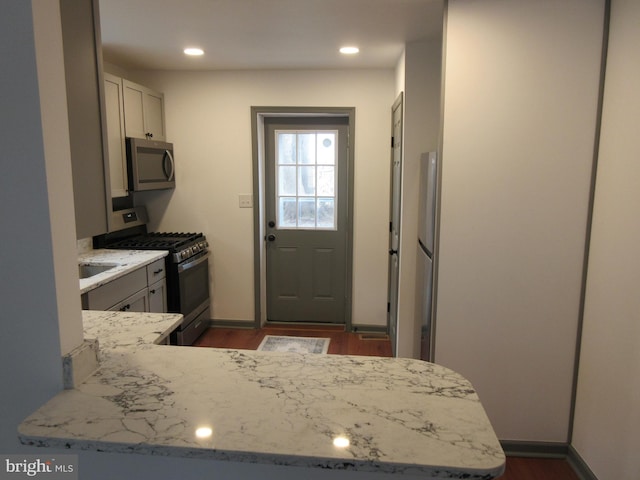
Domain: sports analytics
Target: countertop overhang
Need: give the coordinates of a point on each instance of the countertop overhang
(396, 415)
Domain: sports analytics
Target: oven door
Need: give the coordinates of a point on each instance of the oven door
(192, 286)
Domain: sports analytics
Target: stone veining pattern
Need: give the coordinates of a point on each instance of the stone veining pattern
(125, 261)
(400, 416)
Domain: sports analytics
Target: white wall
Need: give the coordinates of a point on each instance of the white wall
(400, 73)
(519, 123)
(208, 119)
(422, 85)
(607, 406)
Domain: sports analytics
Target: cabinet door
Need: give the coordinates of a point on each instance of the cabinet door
(158, 297)
(154, 115)
(133, 110)
(114, 110)
(143, 112)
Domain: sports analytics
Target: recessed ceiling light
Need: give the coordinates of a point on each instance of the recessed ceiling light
(193, 51)
(349, 50)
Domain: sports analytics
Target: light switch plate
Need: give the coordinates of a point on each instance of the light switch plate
(245, 201)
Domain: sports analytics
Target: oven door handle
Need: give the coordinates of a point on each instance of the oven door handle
(201, 258)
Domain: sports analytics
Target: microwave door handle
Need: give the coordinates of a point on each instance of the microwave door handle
(173, 166)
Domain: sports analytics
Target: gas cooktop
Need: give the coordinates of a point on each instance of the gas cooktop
(158, 241)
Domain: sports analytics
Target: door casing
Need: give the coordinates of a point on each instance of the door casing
(395, 209)
(258, 114)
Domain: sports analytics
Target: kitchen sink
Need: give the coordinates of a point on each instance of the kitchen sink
(89, 270)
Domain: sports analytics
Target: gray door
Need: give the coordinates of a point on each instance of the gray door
(394, 221)
(306, 213)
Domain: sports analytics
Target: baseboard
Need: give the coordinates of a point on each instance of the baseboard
(368, 328)
(579, 465)
(213, 323)
(514, 448)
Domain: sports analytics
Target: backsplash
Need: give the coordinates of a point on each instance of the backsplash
(85, 245)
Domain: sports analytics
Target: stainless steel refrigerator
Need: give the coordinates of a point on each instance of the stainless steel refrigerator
(426, 241)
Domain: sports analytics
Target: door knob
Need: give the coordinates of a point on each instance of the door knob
(271, 237)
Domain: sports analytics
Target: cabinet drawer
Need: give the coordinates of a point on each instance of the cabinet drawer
(138, 302)
(156, 271)
(106, 296)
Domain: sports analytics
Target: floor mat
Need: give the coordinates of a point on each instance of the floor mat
(275, 343)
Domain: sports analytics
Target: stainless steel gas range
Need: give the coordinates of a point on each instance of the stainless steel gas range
(187, 269)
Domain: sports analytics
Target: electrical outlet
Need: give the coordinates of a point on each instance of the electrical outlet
(245, 201)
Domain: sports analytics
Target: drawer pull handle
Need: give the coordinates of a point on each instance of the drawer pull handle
(158, 271)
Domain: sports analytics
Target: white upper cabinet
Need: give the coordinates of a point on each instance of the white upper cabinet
(143, 112)
(115, 137)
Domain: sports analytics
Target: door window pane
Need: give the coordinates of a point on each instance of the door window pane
(287, 212)
(306, 212)
(286, 148)
(326, 213)
(326, 181)
(326, 148)
(306, 179)
(287, 181)
(307, 148)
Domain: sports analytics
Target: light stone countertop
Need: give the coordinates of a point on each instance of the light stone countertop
(125, 261)
(400, 416)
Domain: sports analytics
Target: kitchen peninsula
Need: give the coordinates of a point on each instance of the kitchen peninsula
(392, 415)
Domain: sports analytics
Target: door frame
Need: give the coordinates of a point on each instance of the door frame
(398, 104)
(258, 115)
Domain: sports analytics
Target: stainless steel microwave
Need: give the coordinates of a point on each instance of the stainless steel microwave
(150, 164)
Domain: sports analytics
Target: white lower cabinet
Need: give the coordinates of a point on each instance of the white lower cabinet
(143, 290)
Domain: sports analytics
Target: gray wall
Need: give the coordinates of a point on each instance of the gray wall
(30, 367)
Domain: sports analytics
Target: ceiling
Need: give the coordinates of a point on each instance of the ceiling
(263, 34)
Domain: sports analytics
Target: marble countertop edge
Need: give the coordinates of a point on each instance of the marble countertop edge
(291, 460)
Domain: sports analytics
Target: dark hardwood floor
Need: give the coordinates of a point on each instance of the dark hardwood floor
(342, 343)
(521, 468)
(345, 343)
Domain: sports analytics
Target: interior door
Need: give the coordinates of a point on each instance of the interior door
(306, 214)
(394, 221)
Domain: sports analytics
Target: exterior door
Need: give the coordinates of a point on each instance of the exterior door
(394, 221)
(306, 214)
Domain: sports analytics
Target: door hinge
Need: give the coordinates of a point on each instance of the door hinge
(390, 227)
(388, 307)
(392, 142)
